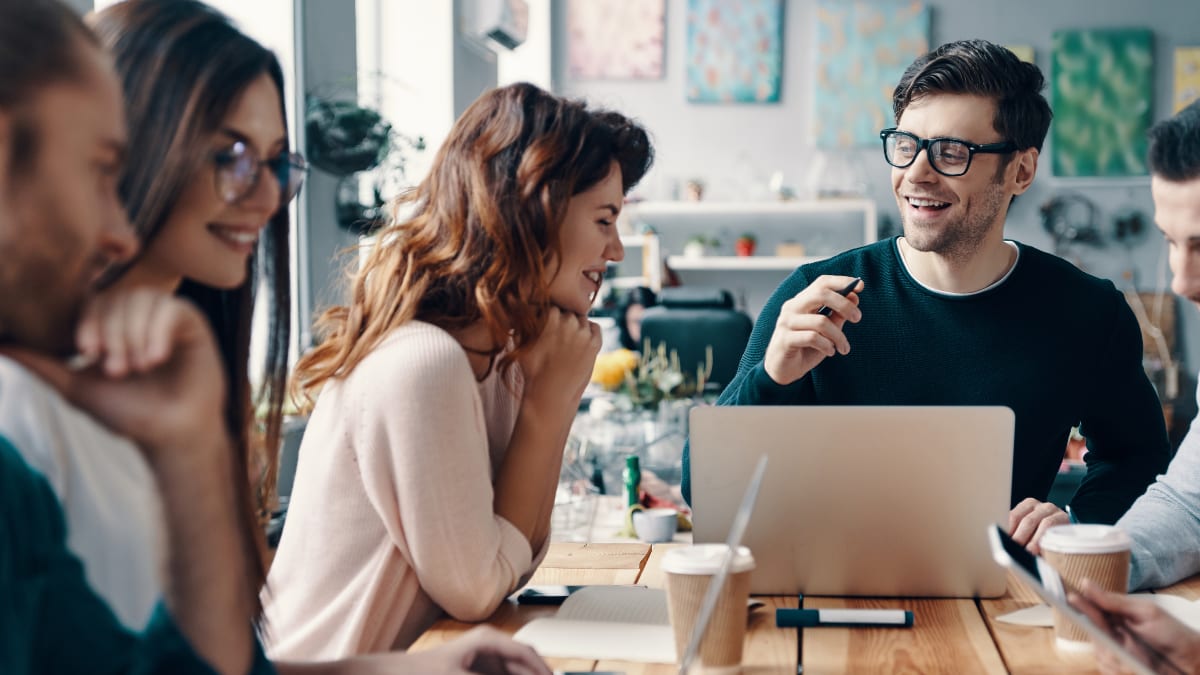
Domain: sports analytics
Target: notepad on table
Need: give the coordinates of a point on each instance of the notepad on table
(625, 623)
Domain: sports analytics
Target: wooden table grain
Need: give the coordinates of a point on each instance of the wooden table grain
(948, 635)
(1029, 650)
(769, 650)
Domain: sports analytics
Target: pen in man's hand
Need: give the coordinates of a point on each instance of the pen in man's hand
(827, 310)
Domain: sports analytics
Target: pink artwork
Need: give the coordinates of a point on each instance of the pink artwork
(615, 39)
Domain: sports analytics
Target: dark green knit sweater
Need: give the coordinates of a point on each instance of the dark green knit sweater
(1058, 346)
(51, 621)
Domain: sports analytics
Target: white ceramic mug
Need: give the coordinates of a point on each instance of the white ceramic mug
(655, 526)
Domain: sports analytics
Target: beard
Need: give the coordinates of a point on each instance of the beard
(44, 285)
(961, 238)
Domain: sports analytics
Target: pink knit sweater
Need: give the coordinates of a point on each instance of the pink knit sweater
(390, 520)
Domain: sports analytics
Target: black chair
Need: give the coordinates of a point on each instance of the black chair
(691, 318)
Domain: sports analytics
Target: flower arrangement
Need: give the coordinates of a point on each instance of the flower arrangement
(654, 375)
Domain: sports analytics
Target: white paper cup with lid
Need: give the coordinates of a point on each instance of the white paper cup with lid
(688, 571)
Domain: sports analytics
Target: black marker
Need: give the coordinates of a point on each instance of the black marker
(844, 618)
(826, 310)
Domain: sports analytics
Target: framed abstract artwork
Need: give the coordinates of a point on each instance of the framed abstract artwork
(862, 50)
(1102, 92)
(1023, 52)
(1187, 77)
(734, 51)
(615, 39)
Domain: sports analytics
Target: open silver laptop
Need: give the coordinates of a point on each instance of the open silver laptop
(860, 500)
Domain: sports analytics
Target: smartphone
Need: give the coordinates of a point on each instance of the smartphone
(1050, 587)
(545, 595)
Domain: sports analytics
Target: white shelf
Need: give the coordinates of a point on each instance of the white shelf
(653, 208)
(765, 263)
(659, 214)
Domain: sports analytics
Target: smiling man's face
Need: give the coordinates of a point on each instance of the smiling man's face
(951, 215)
(61, 221)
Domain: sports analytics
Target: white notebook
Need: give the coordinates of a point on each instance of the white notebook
(623, 623)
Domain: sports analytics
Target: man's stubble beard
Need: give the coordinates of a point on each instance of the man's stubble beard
(960, 240)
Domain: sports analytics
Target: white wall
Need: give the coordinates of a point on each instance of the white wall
(725, 143)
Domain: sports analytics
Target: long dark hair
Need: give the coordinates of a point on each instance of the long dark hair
(483, 224)
(182, 65)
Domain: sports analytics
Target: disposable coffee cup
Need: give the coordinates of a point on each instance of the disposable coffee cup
(689, 571)
(1078, 552)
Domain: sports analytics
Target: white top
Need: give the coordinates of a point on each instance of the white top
(705, 559)
(1085, 538)
(390, 520)
(985, 289)
(114, 514)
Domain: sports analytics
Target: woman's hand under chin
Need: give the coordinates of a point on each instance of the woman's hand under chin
(558, 366)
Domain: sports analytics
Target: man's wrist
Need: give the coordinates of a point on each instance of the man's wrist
(767, 389)
(194, 457)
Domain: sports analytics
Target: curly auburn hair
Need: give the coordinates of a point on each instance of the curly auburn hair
(478, 232)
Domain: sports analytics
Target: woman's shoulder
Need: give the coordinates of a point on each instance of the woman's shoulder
(414, 352)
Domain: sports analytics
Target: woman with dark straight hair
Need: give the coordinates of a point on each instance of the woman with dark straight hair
(206, 186)
(449, 382)
(212, 226)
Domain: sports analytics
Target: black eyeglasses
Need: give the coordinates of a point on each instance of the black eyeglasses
(947, 156)
(238, 171)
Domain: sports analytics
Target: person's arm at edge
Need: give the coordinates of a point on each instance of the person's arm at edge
(1164, 523)
(536, 428)
(1126, 434)
(562, 359)
(482, 649)
(206, 558)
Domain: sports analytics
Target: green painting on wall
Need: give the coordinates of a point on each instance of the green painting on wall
(1102, 84)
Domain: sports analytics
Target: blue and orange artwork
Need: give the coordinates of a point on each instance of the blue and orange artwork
(862, 50)
(734, 51)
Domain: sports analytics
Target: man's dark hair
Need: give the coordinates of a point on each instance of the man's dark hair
(1175, 146)
(981, 68)
(39, 46)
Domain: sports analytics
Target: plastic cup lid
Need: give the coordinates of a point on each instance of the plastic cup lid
(705, 559)
(1081, 538)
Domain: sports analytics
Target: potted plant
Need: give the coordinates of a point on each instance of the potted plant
(356, 144)
(699, 246)
(744, 246)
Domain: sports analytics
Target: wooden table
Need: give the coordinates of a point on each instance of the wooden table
(948, 636)
(768, 649)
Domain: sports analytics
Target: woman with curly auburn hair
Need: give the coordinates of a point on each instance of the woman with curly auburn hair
(448, 384)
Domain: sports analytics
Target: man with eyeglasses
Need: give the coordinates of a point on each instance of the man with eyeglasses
(952, 313)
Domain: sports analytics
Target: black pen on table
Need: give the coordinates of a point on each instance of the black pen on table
(827, 310)
(844, 618)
